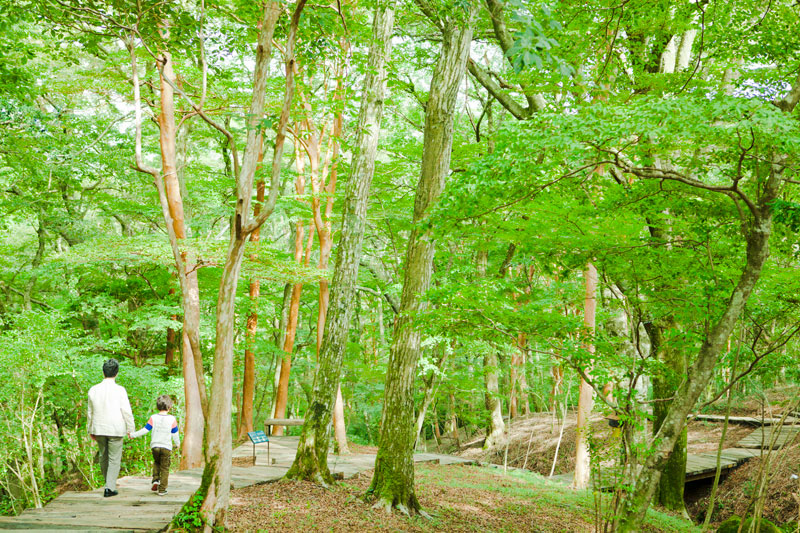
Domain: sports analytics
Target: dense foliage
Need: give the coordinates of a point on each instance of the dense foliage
(634, 136)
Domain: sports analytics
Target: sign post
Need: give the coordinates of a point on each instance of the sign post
(257, 437)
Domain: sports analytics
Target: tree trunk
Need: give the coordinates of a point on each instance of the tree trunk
(585, 395)
(215, 485)
(280, 338)
(249, 374)
(673, 477)
(172, 341)
(217, 473)
(512, 387)
(557, 372)
(339, 429)
(393, 482)
(430, 388)
(311, 460)
(495, 428)
(190, 293)
(636, 503)
(523, 378)
(324, 226)
(282, 394)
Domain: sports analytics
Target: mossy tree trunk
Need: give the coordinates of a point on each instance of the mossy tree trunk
(311, 459)
(673, 477)
(757, 233)
(393, 482)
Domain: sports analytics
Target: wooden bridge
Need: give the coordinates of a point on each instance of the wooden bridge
(136, 508)
(704, 465)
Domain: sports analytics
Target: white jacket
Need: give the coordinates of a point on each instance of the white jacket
(164, 431)
(109, 410)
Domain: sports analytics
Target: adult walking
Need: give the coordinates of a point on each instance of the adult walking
(110, 419)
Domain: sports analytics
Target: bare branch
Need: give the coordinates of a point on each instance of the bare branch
(485, 79)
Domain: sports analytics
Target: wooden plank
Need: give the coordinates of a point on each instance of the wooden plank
(766, 438)
(751, 420)
(140, 522)
(284, 421)
(17, 523)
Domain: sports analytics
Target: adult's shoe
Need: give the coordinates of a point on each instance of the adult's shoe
(108, 493)
(162, 492)
(155, 486)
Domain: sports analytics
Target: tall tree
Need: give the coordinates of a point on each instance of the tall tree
(311, 460)
(586, 392)
(171, 199)
(215, 487)
(254, 292)
(393, 482)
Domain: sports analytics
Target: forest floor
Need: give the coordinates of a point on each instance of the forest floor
(533, 441)
(458, 499)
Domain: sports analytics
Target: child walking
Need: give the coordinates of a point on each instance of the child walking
(164, 428)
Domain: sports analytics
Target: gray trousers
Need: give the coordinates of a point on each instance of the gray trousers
(110, 459)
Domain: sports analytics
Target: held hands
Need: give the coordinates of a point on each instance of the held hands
(93, 437)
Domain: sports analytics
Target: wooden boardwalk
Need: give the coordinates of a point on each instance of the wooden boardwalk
(138, 509)
(767, 437)
(704, 465)
(752, 420)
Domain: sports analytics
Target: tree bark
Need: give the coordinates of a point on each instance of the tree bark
(311, 460)
(393, 482)
(249, 373)
(172, 342)
(215, 485)
(196, 409)
(495, 428)
(585, 395)
(430, 388)
(673, 477)
(282, 394)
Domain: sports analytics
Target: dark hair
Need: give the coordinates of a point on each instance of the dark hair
(111, 368)
(164, 402)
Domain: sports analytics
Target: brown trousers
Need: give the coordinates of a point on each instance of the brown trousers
(161, 462)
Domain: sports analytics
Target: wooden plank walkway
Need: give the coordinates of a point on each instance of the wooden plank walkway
(752, 420)
(138, 509)
(767, 437)
(704, 465)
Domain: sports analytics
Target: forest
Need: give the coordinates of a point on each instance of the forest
(406, 225)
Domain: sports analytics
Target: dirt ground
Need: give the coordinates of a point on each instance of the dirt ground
(303, 506)
(457, 498)
(533, 441)
(703, 436)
